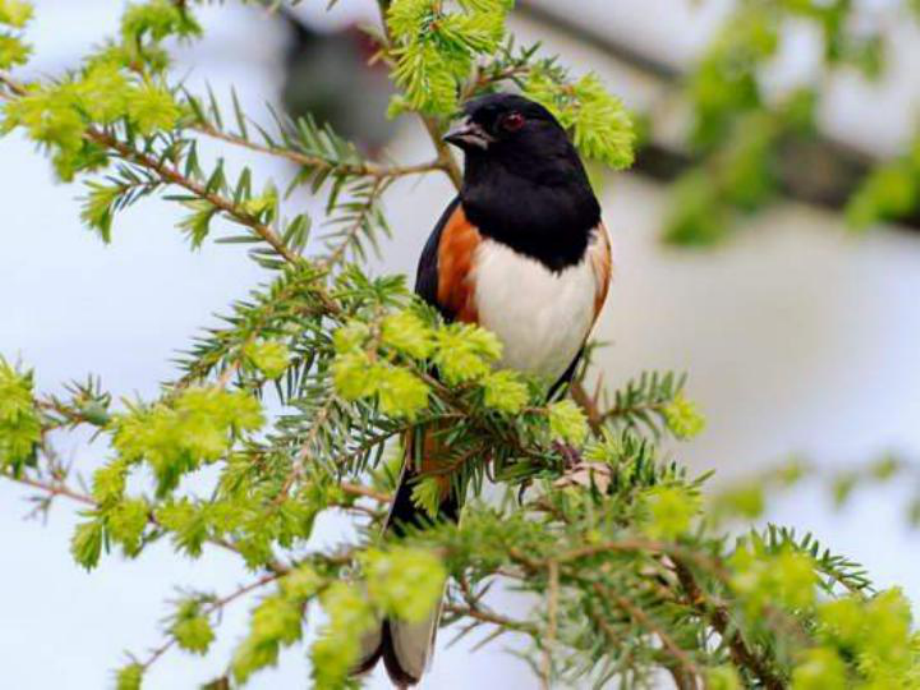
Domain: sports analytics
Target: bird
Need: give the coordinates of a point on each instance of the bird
(522, 252)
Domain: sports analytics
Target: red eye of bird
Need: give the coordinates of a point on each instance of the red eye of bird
(513, 122)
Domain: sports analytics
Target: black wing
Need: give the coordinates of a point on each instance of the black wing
(566, 377)
(426, 279)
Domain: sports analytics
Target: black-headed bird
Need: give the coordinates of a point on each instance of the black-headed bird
(523, 253)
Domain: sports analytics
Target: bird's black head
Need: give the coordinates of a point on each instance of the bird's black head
(524, 182)
(515, 132)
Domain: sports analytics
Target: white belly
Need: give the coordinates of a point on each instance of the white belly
(541, 317)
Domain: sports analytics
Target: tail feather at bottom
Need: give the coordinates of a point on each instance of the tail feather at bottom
(406, 648)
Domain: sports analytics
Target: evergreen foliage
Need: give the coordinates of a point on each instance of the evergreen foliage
(637, 575)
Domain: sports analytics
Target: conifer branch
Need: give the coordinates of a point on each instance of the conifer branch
(552, 613)
(445, 159)
(171, 175)
(59, 488)
(212, 609)
(482, 615)
(688, 669)
(54, 488)
(595, 518)
(365, 169)
(721, 621)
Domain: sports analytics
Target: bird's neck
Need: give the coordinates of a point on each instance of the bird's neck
(548, 218)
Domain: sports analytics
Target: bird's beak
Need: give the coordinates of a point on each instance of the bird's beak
(468, 135)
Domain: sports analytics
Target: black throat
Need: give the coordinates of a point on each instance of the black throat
(546, 210)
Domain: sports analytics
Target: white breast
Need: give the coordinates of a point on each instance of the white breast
(541, 317)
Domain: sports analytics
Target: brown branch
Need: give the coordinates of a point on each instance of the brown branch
(14, 86)
(59, 488)
(720, 619)
(474, 610)
(171, 175)
(214, 607)
(53, 488)
(711, 565)
(364, 169)
(446, 159)
(688, 670)
(365, 492)
(588, 405)
(61, 415)
(552, 610)
(486, 616)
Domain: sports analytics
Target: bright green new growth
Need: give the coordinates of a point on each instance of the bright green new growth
(683, 418)
(465, 353)
(336, 651)
(15, 13)
(636, 576)
(190, 626)
(20, 424)
(271, 358)
(12, 51)
(426, 495)
(388, 362)
(435, 53)
(505, 392)
(174, 438)
(130, 677)
(601, 128)
(121, 84)
(670, 510)
(394, 579)
(567, 422)
(434, 49)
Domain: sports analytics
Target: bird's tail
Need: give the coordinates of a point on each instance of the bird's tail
(405, 647)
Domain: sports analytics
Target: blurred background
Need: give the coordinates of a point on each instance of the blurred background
(800, 336)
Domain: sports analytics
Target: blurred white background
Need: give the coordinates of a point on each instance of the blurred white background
(798, 337)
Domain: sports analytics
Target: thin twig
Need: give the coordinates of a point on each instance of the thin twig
(645, 546)
(349, 236)
(552, 606)
(364, 169)
(588, 405)
(718, 615)
(211, 609)
(689, 669)
(173, 176)
(54, 488)
(446, 159)
(58, 488)
(358, 490)
(487, 616)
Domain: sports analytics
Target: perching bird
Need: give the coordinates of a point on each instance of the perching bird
(523, 253)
